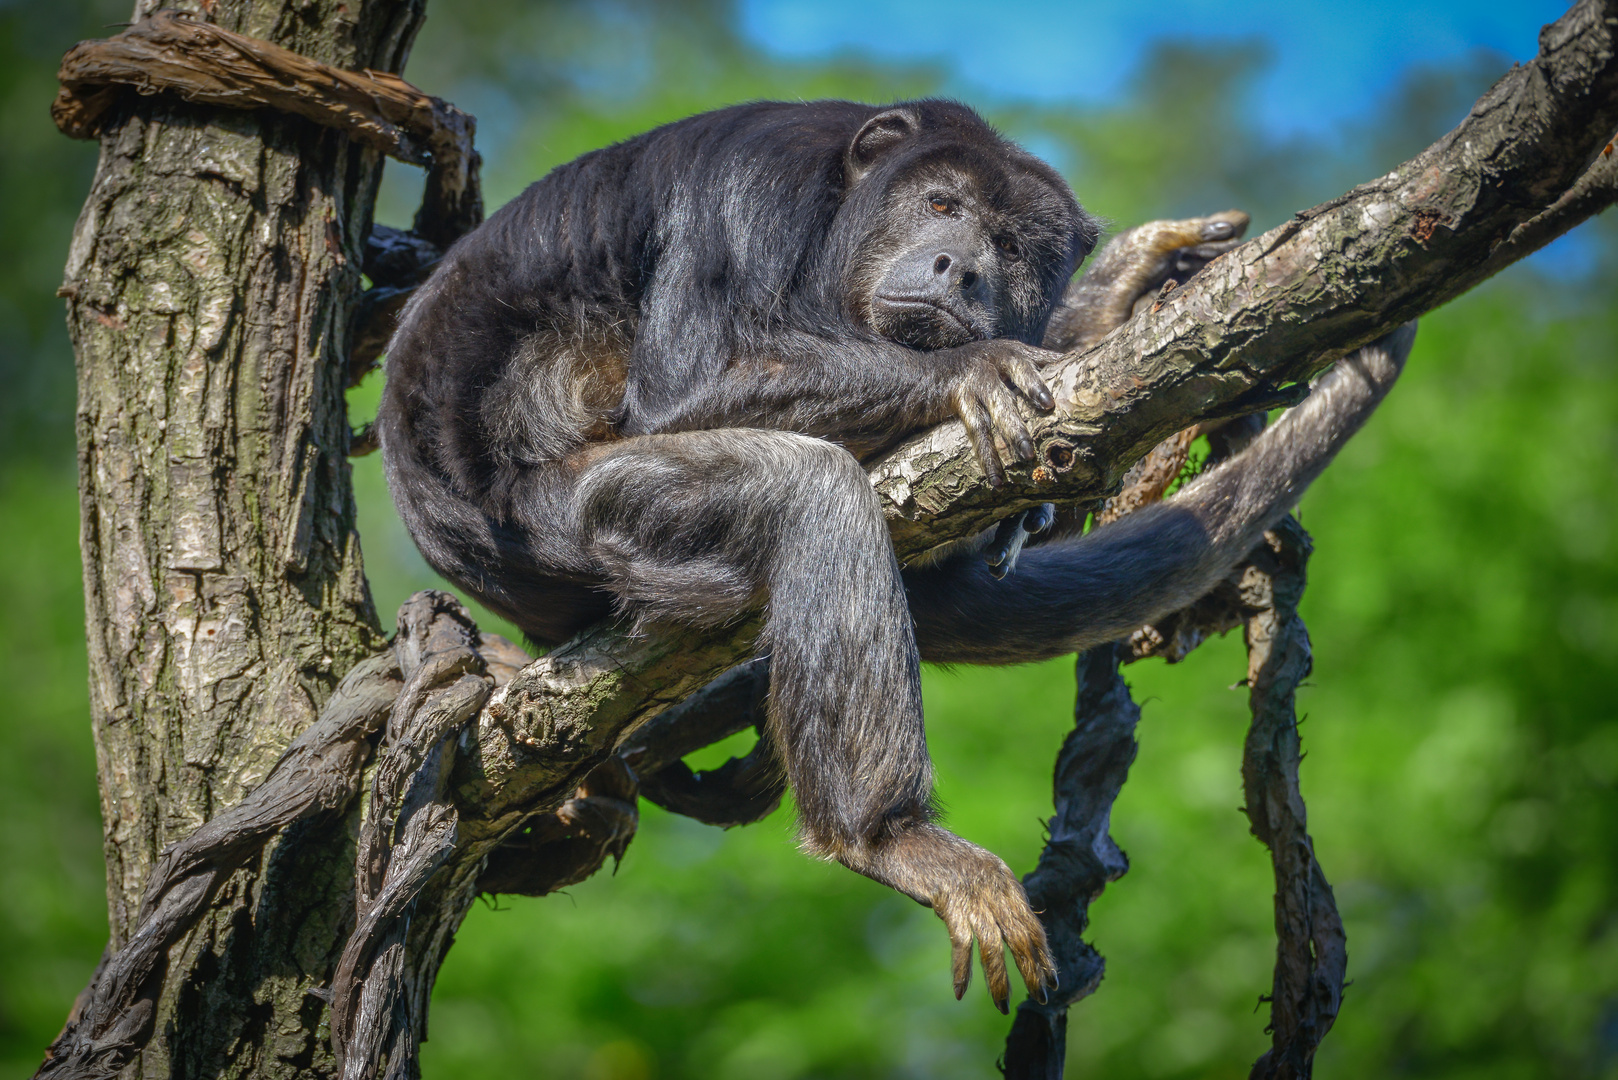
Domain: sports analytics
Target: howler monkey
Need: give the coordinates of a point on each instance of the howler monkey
(646, 384)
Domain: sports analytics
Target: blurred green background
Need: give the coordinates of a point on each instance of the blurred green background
(1462, 733)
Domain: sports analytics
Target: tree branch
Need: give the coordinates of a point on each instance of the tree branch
(176, 52)
(1526, 165)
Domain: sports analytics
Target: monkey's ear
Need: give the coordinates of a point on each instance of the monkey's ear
(879, 134)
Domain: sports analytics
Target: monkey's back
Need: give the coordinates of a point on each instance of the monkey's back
(526, 345)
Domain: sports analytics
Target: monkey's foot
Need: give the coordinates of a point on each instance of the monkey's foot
(1012, 534)
(972, 890)
(993, 908)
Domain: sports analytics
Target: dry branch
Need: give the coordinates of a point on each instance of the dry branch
(178, 53)
(1274, 311)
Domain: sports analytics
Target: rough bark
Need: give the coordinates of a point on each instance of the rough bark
(211, 283)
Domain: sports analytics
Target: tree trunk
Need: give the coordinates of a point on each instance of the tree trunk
(211, 283)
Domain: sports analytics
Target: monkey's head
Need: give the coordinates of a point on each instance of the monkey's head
(954, 234)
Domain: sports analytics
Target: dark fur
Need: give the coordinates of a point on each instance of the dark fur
(646, 383)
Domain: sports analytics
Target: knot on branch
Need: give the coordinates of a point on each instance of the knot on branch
(555, 850)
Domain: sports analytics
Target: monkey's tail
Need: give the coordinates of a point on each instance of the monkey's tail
(1075, 593)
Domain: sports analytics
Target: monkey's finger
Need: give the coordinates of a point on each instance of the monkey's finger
(1025, 379)
(960, 956)
(992, 952)
(1039, 518)
(1001, 555)
(1009, 423)
(980, 433)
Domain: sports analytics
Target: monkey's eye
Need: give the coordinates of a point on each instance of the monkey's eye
(940, 204)
(1008, 247)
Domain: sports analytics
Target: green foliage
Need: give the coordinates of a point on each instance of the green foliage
(1463, 768)
(43, 177)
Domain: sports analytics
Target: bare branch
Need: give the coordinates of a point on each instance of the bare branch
(1275, 310)
(177, 52)
(408, 833)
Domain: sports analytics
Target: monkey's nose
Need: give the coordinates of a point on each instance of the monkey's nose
(945, 262)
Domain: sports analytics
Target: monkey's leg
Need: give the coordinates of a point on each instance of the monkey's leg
(701, 526)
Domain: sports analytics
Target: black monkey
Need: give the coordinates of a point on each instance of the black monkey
(645, 385)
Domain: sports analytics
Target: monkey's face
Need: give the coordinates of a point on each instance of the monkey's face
(969, 238)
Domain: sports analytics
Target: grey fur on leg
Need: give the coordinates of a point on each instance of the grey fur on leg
(693, 527)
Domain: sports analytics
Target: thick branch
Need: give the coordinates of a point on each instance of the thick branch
(179, 53)
(1525, 166)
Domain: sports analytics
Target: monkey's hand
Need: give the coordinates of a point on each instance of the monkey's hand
(976, 895)
(985, 380)
(1126, 275)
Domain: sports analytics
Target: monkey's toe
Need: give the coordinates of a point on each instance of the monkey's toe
(996, 914)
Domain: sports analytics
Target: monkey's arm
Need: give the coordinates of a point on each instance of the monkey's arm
(1071, 594)
(866, 395)
(1118, 283)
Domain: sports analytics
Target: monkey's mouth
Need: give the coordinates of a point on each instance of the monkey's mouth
(922, 322)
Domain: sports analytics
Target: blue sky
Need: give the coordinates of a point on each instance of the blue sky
(1331, 62)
